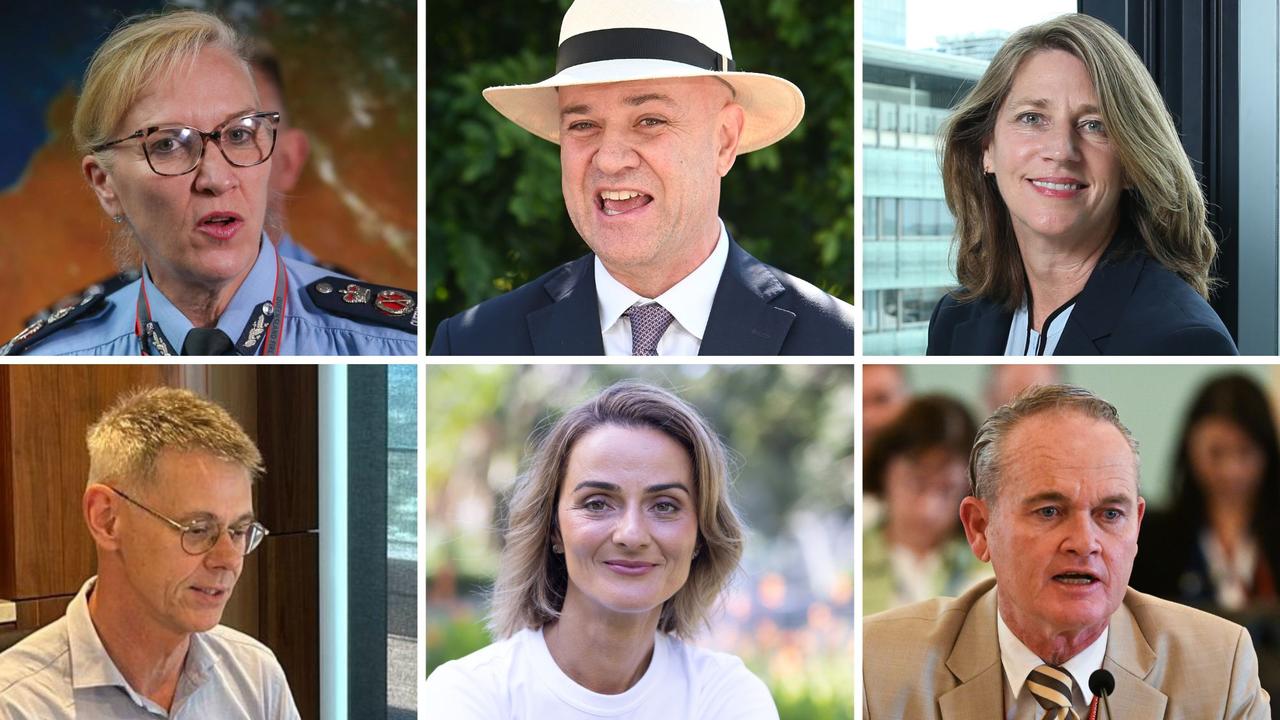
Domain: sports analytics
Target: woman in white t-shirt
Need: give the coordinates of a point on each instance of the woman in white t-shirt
(619, 539)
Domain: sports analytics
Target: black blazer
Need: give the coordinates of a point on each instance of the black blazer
(1129, 306)
(757, 310)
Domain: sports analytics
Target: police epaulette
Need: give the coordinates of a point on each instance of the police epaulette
(366, 303)
(41, 329)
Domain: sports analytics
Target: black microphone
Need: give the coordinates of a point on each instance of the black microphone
(1102, 684)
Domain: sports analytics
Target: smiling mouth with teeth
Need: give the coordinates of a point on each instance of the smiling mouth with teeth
(617, 202)
(1056, 186)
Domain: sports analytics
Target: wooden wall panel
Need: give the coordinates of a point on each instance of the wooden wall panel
(35, 614)
(47, 409)
(288, 430)
(290, 613)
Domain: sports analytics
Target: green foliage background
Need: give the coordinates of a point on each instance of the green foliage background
(495, 215)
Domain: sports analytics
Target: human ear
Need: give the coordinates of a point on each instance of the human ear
(728, 136)
(974, 516)
(103, 185)
(100, 507)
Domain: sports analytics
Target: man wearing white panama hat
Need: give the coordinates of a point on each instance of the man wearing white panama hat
(650, 114)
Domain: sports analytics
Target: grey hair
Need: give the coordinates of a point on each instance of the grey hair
(986, 460)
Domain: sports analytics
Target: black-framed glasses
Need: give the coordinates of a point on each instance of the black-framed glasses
(200, 536)
(171, 150)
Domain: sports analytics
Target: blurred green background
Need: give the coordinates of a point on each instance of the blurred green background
(495, 214)
(788, 614)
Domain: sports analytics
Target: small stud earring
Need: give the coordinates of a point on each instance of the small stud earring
(557, 549)
(117, 219)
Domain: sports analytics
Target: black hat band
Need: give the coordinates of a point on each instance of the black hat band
(639, 43)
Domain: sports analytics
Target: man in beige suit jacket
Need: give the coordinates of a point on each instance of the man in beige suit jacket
(1055, 509)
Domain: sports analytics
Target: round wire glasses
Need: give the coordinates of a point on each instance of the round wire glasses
(171, 150)
(200, 536)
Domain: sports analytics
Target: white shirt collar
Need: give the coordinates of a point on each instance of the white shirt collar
(689, 300)
(1023, 341)
(1019, 660)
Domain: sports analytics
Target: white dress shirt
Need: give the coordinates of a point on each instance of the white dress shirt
(63, 672)
(688, 301)
(1019, 661)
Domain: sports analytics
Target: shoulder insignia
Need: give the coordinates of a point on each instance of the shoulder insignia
(365, 302)
(62, 318)
(106, 286)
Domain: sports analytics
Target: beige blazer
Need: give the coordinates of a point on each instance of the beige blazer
(940, 659)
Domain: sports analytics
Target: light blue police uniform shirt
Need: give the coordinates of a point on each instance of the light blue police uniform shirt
(289, 248)
(307, 330)
(63, 672)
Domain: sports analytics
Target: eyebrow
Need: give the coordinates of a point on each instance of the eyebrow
(204, 515)
(1057, 497)
(1042, 103)
(225, 118)
(612, 487)
(632, 100)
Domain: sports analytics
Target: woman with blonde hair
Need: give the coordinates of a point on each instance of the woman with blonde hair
(177, 149)
(1080, 226)
(619, 540)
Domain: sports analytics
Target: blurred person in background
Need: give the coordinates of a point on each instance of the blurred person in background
(917, 466)
(1218, 546)
(885, 391)
(1005, 382)
(619, 541)
(192, 210)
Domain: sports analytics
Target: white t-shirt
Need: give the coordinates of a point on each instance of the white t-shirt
(517, 679)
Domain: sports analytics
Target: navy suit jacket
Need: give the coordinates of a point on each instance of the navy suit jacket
(1129, 306)
(757, 310)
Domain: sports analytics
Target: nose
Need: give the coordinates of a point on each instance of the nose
(1082, 536)
(214, 175)
(631, 531)
(1061, 143)
(616, 153)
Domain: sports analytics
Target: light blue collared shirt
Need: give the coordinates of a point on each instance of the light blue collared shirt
(63, 672)
(307, 330)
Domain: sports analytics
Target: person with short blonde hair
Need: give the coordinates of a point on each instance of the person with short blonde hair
(1080, 225)
(619, 540)
(125, 442)
(177, 149)
(169, 505)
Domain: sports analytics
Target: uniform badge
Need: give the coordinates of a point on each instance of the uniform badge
(355, 294)
(31, 330)
(157, 340)
(394, 302)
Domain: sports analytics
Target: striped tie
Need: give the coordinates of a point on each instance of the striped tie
(1051, 686)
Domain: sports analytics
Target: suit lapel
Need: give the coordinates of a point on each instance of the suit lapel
(975, 662)
(1100, 306)
(1130, 660)
(984, 334)
(570, 325)
(743, 321)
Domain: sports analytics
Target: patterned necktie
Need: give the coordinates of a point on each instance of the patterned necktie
(648, 322)
(1051, 686)
(207, 341)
